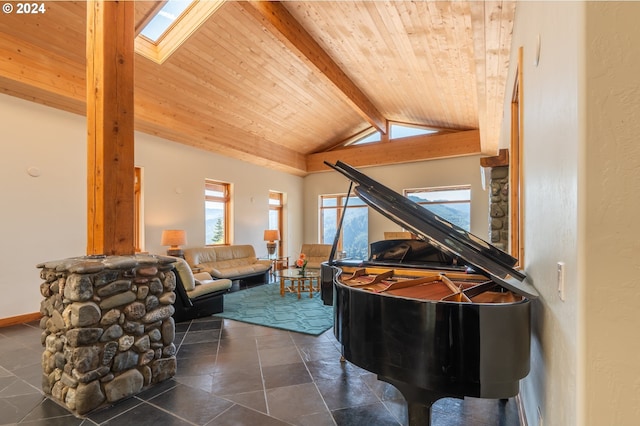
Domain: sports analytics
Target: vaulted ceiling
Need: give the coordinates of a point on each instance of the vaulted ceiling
(285, 84)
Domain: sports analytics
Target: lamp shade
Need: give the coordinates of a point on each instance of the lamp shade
(174, 237)
(271, 235)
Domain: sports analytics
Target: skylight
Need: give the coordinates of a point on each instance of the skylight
(165, 18)
(172, 25)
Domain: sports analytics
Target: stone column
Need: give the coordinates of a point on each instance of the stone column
(108, 331)
(499, 207)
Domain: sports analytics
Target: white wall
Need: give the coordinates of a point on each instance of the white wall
(581, 174)
(174, 177)
(551, 162)
(446, 172)
(44, 218)
(611, 252)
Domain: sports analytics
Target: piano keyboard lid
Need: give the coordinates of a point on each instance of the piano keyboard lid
(451, 239)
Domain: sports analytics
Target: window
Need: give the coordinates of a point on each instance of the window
(373, 137)
(164, 19)
(354, 237)
(452, 203)
(138, 225)
(398, 131)
(217, 200)
(276, 205)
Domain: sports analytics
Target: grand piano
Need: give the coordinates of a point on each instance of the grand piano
(443, 315)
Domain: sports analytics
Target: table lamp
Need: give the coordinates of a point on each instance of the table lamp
(271, 236)
(174, 238)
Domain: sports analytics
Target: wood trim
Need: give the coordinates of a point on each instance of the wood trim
(20, 319)
(502, 159)
(405, 150)
(277, 19)
(110, 150)
(516, 198)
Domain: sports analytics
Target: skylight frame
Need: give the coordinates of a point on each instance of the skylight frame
(169, 27)
(180, 30)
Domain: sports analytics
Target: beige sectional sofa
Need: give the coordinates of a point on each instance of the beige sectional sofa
(232, 262)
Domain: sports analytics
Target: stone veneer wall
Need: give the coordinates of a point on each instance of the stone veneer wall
(499, 207)
(108, 331)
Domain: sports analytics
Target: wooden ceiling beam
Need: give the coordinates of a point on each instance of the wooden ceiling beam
(274, 16)
(405, 150)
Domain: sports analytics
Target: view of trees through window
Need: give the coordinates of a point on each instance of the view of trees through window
(450, 203)
(216, 205)
(354, 238)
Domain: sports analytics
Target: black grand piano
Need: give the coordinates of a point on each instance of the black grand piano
(443, 315)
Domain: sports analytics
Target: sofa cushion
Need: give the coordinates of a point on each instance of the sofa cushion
(184, 270)
(208, 286)
(237, 270)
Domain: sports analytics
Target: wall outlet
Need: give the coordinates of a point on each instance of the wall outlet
(561, 279)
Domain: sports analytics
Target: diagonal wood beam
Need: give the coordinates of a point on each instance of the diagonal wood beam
(277, 19)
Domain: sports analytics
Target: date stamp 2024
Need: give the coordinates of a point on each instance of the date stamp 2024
(32, 8)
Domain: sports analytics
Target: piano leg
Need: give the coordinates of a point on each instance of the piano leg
(419, 401)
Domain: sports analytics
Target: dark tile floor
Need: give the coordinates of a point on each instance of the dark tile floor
(231, 373)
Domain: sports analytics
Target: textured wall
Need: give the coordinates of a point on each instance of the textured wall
(611, 227)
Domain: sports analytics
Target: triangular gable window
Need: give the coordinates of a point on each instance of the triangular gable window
(373, 137)
(398, 131)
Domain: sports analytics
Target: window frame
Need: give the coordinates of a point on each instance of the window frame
(225, 199)
(465, 187)
(339, 207)
(279, 208)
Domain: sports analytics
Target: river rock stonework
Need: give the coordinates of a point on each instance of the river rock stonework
(107, 328)
(499, 207)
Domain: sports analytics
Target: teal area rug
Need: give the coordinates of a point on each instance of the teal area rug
(263, 305)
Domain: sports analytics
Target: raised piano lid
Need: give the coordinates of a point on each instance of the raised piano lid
(451, 239)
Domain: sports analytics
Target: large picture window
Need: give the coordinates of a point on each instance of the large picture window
(354, 236)
(217, 199)
(452, 203)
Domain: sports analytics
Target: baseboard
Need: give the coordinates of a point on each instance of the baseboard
(521, 414)
(6, 322)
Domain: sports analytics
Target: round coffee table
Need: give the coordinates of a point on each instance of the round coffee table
(298, 281)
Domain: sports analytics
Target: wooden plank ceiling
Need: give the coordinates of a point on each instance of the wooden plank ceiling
(283, 85)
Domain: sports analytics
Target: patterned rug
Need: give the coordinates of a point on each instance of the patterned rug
(263, 305)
